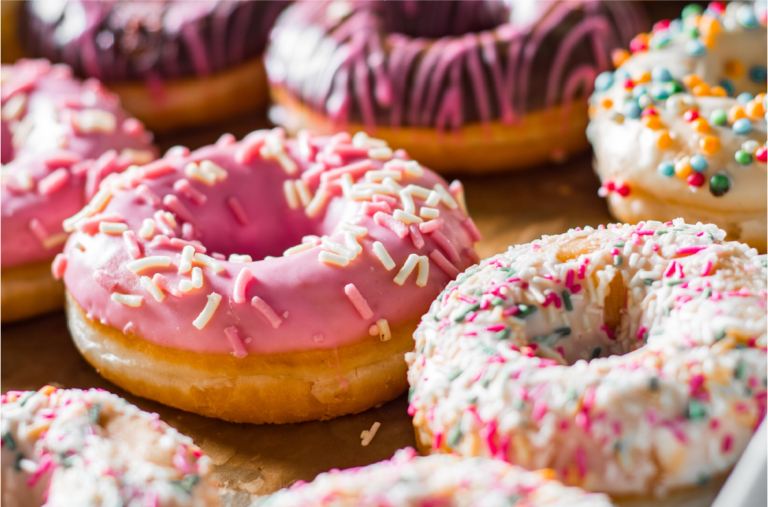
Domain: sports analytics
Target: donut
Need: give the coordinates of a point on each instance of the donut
(60, 138)
(631, 359)
(174, 64)
(462, 86)
(266, 280)
(408, 479)
(679, 129)
(71, 447)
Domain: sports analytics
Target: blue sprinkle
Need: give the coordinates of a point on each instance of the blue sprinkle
(757, 74)
(638, 91)
(666, 169)
(727, 85)
(694, 47)
(621, 74)
(604, 81)
(661, 74)
(744, 97)
(742, 126)
(660, 92)
(746, 17)
(660, 40)
(631, 109)
(698, 163)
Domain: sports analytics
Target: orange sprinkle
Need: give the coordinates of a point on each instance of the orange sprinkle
(760, 98)
(645, 77)
(755, 109)
(47, 390)
(701, 90)
(700, 125)
(734, 69)
(619, 56)
(683, 168)
(709, 144)
(663, 139)
(718, 91)
(652, 122)
(709, 25)
(708, 40)
(691, 80)
(547, 474)
(607, 103)
(736, 113)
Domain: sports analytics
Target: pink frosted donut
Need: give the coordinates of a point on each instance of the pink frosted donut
(174, 293)
(60, 138)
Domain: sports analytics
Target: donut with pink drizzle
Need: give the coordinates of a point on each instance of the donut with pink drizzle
(70, 447)
(60, 138)
(267, 280)
(469, 86)
(631, 359)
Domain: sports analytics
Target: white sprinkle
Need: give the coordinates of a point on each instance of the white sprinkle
(421, 280)
(346, 185)
(210, 307)
(367, 436)
(383, 255)
(392, 185)
(413, 168)
(153, 261)
(383, 153)
(332, 258)
(208, 166)
(24, 180)
(171, 219)
(350, 241)
(95, 120)
(357, 230)
(407, 199)
(418, 191)
(303, 190)
(55, 240)
(338, 248)
(112, 228)
(405, 271)
(384, 333)
(290, 194)
(433, 199)
(187, 254)
(406, 218)
(429, 213)
(446, 196)
(377, 176)
(152, 288)
(196, 282)
(361, 140)
(318, 202)
(209, 262)
(298, 248)
(127, 299)
(193, 171)
(240, 258)
(147, 228)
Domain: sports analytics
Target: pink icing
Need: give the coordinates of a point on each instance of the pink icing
(280, 303)
(64, 162)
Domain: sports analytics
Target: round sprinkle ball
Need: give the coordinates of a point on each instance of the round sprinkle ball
(645, 101)
(698, 163)
(718, 117)
(690, 115)
(710, 144)
(742, 126)
(639, 90)
(695, 180)
(750, 146)
(719, 184)
(666, 169)
(744, 97)
(604, 81)
(757, 74)
(673, 87)
(746, 17)
(695, 47)
(742, 157)
(631, 109)
(661, 74)
(692, 9)
(659, 92)
(727, 85)
(761, 154)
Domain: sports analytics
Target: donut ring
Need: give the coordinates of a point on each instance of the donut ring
(679, 129)
(462, 86)
(315, 333)
(72, 447)
(60, 138)
(409, 479)
(511, 362)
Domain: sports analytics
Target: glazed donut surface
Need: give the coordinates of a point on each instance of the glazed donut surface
(629, 359)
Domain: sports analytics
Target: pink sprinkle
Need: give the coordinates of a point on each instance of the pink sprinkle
(156, 169)
(91, 225)
(394, 225)
(163, 282)
(511, 311)
(236, 341)
(371, 208)
(588, 401)
(241, 284)
(671, 268)
(655, 248)
(608, 331)
(495, 328)
(358, 300)
(727, 444)
(467, 299)
(42, 467)
(61, 158)
(714, 423)
(569, 278)
(474, 232)
(53, 182)
(446, 246)
(485, 304)
(219, 256)
(312, 175)
(535, 247)
(266, 311)
(59, 265)
(615, 251)
(180, 459)
(162, 223)
(355, 169)
(416, 237)
(582, 421)
(641, 332)
(706, 269)
(582, 270)
(38, 229)
(148, 195)
(443, 263)
(150, 499)
(181, 243)
(431, 226)
(173, 204)
(688, 250)
(387, 199)
(695, 383)
(185, 188)
(539, 410)
(645, 233)
(249, 148)
(133, 127)
(131, 244)
(488, 433)
(581, 461)
(237, 209)
(575, 288)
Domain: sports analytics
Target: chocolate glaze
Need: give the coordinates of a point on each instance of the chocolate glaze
(123, 40)
(373, 63)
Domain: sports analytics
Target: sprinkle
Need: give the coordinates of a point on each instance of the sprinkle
(192, 170)
(298, 248)
(127, 299)
(446, 197)
(58, 266)
(391, 223)
(421, 279)
(267, 311)
(446, 246)
(241, 283)
(407, 199)
(305, 196)
(147, 229)
(240, 258)
(444, 263)
(384, 332)
(89, 121)
(416, 237)
(162, 282)
(209, 262)
(367, 436)
(338, 248)
(350, 241)
(383, 255)
(53, 182)
(187, 254)
(332, 258)
(185, 188)
(383, 153)
(250, 147)
(354, 229)
(152, 288)
(407, 268)
(210, 307)
(233, 335)
(290, 194)
(429, 213)
(474, 232)
(412, 168)
(431, 226)
(378, 176)
(153, 261)
(195, 283)
(406, 218)
(210, 167)
(129, 238)
(317, 203)
(433, 199)
(358, 301)
(237, 210)
(112, 228)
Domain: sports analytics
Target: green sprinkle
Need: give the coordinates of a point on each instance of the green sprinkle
(94, 413)
(617, 260)
(463, 315)
(675, 282)
(8, 441)
(497, 301)
(25, 398)
(508, 270)
(570, 394)
(718, 117)
(691, 9)
(17, 462)
(702, 479)
(662, 232)
(410, 393)
(66, 461)
(740, 370)
(567, 301)
(503, 334)
(648, 281)
(525, 310)
(742, 157)
(454, 437)
(696, 410)
(563, 331)
(187, 483)
(596, 353)
(707, 292)
(619, 244)
(453, 375)
(546, 340)
(518, 404)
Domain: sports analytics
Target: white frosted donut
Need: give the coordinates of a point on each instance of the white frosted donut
(679, 129)
(511, 359)
(64, 447)
(440, 480)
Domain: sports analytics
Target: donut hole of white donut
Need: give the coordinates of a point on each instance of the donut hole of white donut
(672, 405)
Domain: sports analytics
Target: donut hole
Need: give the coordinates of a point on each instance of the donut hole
(441, 18)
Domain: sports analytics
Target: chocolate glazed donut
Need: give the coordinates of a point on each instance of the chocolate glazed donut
(446, 79)
(172, 63)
